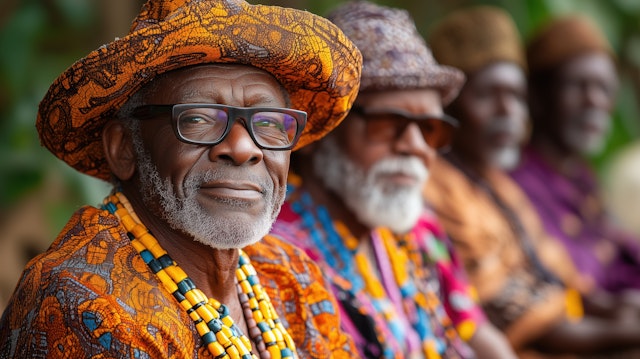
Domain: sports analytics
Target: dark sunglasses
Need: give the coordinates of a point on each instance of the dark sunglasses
(389, 125)
(270, 128)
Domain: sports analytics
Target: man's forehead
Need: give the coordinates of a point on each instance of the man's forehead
(418, 99)
(217, 69)
(211, 81)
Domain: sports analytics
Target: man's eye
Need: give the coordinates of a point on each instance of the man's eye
(195, 120)
(267, 123)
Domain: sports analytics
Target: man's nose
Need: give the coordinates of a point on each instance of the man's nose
(238, 147)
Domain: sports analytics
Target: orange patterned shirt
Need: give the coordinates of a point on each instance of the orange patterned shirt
(90, 295)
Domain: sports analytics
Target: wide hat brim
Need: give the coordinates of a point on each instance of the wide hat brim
(312, 59)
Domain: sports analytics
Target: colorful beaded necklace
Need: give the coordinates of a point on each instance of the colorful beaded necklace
(407, 264)
(219, 333)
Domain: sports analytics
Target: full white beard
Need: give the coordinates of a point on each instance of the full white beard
(187, 215)
(375, 203)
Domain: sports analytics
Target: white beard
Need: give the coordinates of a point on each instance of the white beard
(375, 202)
(187, 215)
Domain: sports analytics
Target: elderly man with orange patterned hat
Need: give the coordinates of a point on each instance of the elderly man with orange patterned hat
(192, 116)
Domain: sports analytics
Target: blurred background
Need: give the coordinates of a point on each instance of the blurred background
(40, 38)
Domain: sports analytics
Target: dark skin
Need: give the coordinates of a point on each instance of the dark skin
(237, 156)
(496, 93)
(487, 342)
(582, 83)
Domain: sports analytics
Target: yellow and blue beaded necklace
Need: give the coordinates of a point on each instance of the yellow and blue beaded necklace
(219, 333)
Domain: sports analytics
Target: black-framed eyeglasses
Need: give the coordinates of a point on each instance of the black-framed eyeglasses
(270, 128)
(388, 125)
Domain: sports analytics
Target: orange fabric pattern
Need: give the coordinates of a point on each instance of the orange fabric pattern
(92, 296)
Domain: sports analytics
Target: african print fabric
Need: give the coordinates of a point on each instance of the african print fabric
(434, 298)
(516, 296)
(92, 296)
(572, 211)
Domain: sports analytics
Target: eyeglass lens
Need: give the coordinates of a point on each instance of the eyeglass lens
(271, 129)
(382, 127)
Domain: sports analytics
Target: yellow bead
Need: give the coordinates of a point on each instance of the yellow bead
(240, 275)
(201, 296)
(257, 316)
(192, 297)
(258, 290)
(185, 304)
(214, 303)
(233, 352)
(126, 220)
(290, 344)
(177, 274)
(246, 287)
(194, 316)
(246, 342)
(202, 328)
(223, 339)
(165, 279)
(205, 314)
(138, 231)
(216, 349)
(278, 334)
(264, 309)
(274, 351)
(253, 303)
(242, 349)
(137, 245)
(272, 310)
(227, 332)
(268, 337)
(270, 323)
(249, 270)
(155, 249)
(227, 321)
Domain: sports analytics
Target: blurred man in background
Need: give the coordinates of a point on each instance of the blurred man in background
(573, 84)
(519, 270)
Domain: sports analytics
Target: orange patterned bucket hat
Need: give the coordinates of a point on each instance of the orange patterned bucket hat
(310, 57)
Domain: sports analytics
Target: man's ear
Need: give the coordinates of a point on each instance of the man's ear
(118, 149)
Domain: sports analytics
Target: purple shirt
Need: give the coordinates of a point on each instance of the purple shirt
(571, 209)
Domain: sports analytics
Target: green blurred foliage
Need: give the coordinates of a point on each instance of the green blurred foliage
(39, 39)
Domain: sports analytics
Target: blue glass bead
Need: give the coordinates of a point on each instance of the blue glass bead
(209, 337)
(165, 261)
(146, 256)
(215, 325)
(155, 266)
(186, 285)
(264, 327)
